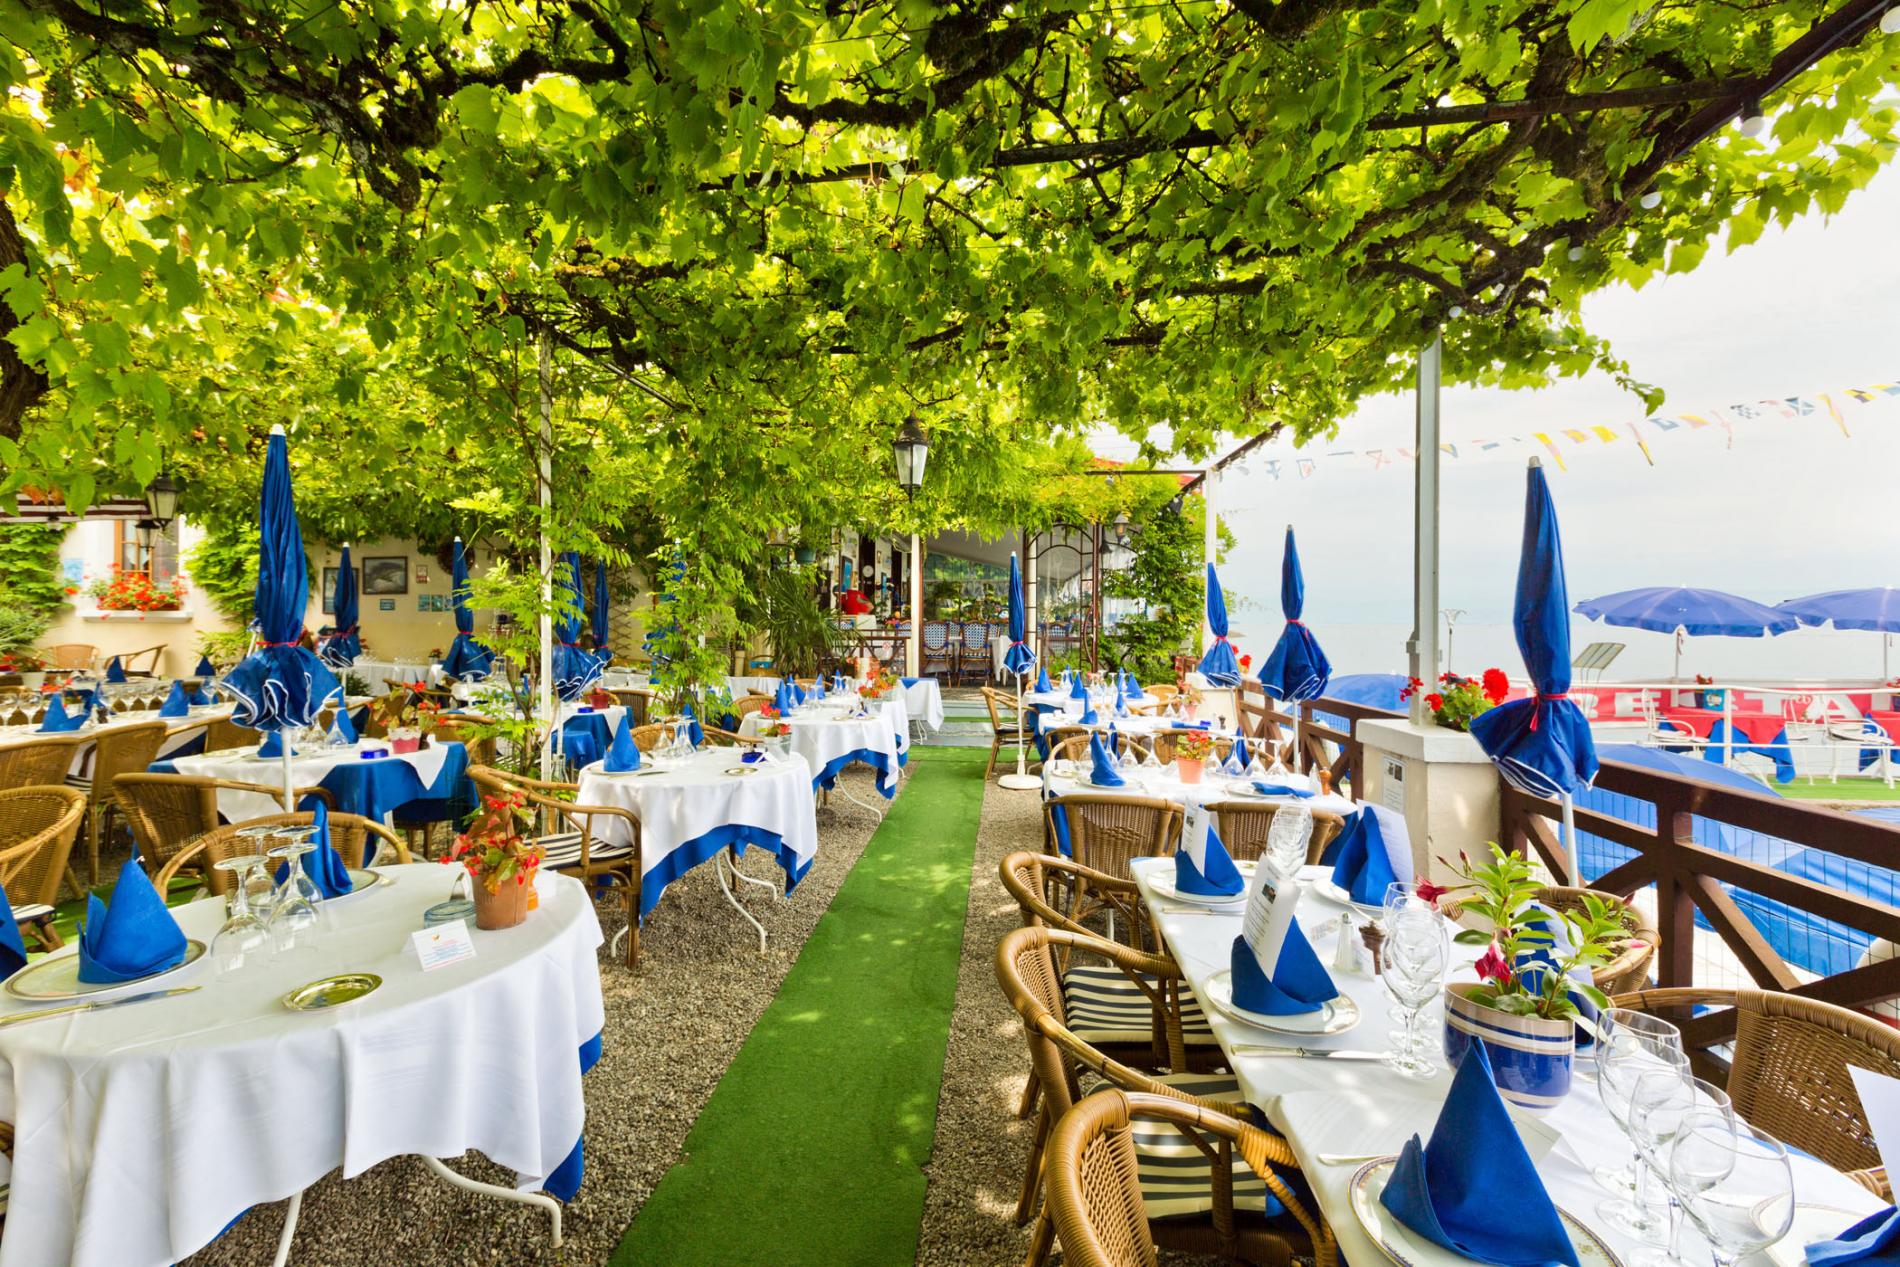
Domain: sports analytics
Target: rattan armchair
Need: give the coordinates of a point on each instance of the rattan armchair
(1106, 833)
(637, 700)
(1629, 970)
(118, 750)
(37, 828)
(166, 812)
(40, 762)
(1223, 1214)
(569, 841)
(359, 840)
(717, 738)
(1164, 743)
(127, 660)
(70, 657)
(746, 705)
(648, 737)
(1788, 1074)
(223, 733)
(1243, 828)
(1071, 743)
(1007, 726)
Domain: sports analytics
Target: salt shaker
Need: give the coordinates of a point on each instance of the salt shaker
(1345, 953)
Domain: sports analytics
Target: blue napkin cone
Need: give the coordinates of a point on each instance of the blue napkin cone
(177, 703)
(782, 699)
(1217, 878)
(1300, 982)
(1281, 789)
(342, 724)
(132, 937)
(57, 719)
(1362, 854)
(12, 945)
(205, 668)
(1103, 774)
(694, 731)
(1473, 1189)
(1131, 685)
(1090, 719)
(115, 672)
(623, 755)
(273, 745)
(1078, 689)
(1042, 681)
(1875, 1241)
(323, 864)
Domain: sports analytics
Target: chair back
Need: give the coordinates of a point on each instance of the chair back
(647, 738)
(936, 635)
(746, 705)
(1106, 833)
(1071, 743)
(1094, 1186)
(1244, 827)
(1003, 716)
(1029, 876)
(123, 750)
(42, 762)
(976, 636)
(1166, 694)
(461, 729)
(359, 840)
(166, 812)
(68, 657)
(224, 733)
(37, 828)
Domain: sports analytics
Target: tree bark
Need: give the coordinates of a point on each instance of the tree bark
(21, 385)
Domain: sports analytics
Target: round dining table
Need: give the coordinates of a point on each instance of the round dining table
(833, 733)
(142, 1130)
(1063, 778)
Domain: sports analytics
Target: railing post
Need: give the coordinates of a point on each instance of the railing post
(1675, 909)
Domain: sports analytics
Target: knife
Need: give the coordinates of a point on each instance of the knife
(1310, 1053)
(20, 1017)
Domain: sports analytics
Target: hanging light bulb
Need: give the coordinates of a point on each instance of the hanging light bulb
(1751, 121)
(1650, 201)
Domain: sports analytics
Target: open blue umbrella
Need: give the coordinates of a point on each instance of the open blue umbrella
(467, 659)
(574, 668)
(1875, 610)
(341, 648)
(600, 613)
(1541, 745)
(1297, 669)
(1683, 611)
(281, 685)
(1219, 666)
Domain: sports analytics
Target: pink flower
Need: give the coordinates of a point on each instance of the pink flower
(1429, 892)
(1492, 966)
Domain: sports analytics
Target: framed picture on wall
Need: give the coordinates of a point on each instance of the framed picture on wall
(329, 590)
(385, 575)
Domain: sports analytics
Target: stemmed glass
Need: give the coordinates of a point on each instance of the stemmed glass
(1660, 1105)
(1399, 895)
(1636, 1043)
(1288, 834)
(293, 915)
(1734, 1182)
(243, 933)
(1417, 953)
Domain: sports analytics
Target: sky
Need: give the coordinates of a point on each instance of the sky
(1774, 508)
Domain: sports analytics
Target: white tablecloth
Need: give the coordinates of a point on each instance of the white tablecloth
(179, 731)
(307, 769)
(822, 735)
(693, 797)
(141, 1131)
(377, 672)
(752, 684)
(1165, 783)
(1360, 1106)
(924, 699)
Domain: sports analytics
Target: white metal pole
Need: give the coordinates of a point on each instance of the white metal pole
(1728, 724)
(544, 357)
(1422, 650)
(1021, 780)
(290, 791)
(915, 651)
(1570, 829)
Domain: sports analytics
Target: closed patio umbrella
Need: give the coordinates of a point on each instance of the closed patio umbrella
(1219, 665)
(574, 668)
(341, 648)
(600, 615)
(1019, 660)
(1297, 669)
(467, 659)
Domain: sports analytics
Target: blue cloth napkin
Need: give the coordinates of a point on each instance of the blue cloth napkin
(1473, 1189)
(1875, 1240)
(323, 864)
(273, 745)
(1371, 852)
(12, 945)
(1213, 874)
(202, 695)
(1281, 789)
(132, 937)
(694, 731)
(96, 702)
(1121, 700)
(1103, 774)
(622, 754)
(205, 668)
(1131, 685)
(115, 672)
(177, 703)
(818, 688)
(798, 694)
(1078, 689)
(57, 719)
(1089, 718)
(1300, 982)
(782, 699)
(1042, 681)
(1237, 756)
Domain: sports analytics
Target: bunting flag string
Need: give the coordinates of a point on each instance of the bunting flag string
(1562, 441)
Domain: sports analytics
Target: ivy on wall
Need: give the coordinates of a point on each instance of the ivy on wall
(29, 566)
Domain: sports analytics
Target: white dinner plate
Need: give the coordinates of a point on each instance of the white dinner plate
(1324, 887)
(1335, 1017)
(362, 880)
(56, 977)
(1812, 1223)
(1408, 1249)
(1163, 882)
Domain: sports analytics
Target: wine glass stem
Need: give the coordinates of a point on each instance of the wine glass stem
(1642, 1189)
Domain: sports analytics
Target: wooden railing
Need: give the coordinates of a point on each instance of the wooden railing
(1305, 741)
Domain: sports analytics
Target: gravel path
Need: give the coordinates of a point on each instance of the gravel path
(673, 1026)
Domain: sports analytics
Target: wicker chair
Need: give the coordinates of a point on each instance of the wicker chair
(359, 840)
(150, 655)
(1164, 744)
(37, 828)
(1075, 747)
(1629, 970)
(41, 762)
(571, 846)
(1788, 1073)
(973, 653)
(939, 650)
(717, 738)
(1006, 725)
(648, 737)
(1218, 1217)
(1243, 827)
(1166, 694)
(224, 733)
(166, 812)
(119, 750)
(1106, 833)
(637, 700)
(70, 657)
(460, 728)
(746, 705)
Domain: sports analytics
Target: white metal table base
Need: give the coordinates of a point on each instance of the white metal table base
(442, 1172)
(727, 860)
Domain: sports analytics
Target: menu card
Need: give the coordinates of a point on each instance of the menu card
(1272, 896)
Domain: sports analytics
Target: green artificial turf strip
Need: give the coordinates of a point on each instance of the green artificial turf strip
(812, 1147)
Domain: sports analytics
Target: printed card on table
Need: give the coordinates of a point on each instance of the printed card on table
(1272, 897)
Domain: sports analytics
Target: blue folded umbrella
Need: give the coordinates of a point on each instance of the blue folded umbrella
(1220, 666)
(12, 945)
(133, 936)
(1874, 1241)
(1042, 681)
(623, 754)
(273, 745)
(205, 668)
(1296, 669)
(1298, 983)
(694, 731)
(1018, 659)
(177, 703)
(1473, 1188)
(1371, 852)
(1202, 863)
(115, 672)
(57, 719)
(1281, 789)
(1103, 772)
(323, 864)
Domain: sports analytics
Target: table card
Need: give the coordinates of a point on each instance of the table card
(1271, 900)
(442, 945)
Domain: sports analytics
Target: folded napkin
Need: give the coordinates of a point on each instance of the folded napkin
(323, 864)
(1268, 788)
(838, 681)
(622, 754)
(273, 745)
(782, 699)
(12, 945)
(96, 702)
(57, 719)
(798, 694)
(1121, 700)
(115, 672)
(1474, 1189)
(1089, 718)
(205, 668)
(1042, 681)
(1078, 689)
(177, 703)
(1103, 774)
(1373, 851)
(694, 731)
(1202, 863)
(132, 937)
(818, 688)
(1298, 982)
(1874, 1241)
(342, 725)
(1237, 758)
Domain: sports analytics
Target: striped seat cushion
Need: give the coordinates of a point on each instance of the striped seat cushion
(79, 781)
(1177, 1178)
(1104, 1006)
(31, 911)
(563, 849)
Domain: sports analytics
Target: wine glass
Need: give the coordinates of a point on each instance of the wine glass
(1734, 1182)
(1417, 952)
(1657, 1111)
(293, 915)
(1288, 833)
(243, 933)
(1637, 1043)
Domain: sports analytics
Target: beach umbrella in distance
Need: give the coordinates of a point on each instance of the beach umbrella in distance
(341, 648)
(1218, 665)
(1297, 669)
(1687, 612)
(1875, 610)
(467, 659)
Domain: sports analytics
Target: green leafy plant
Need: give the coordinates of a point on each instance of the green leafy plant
(1502, 893)
(1165, 578)
(223, 566)
(498, 847)
(29, 567)
(799, 634)
(225, 648)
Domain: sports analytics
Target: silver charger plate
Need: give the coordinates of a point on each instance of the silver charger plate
(56, 977)
(331, 992)
(1324, 887)
(1333, 1017)
(1408, 1249)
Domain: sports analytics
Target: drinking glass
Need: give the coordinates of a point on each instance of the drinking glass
(1734, 1183)
(1638, 1043)
(243, 933)
(1288, 834)
(1657, 1111)
(1417, 953)
(1658, 1098)
(293, 915)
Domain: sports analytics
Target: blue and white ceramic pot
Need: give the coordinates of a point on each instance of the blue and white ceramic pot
(1530, 1056)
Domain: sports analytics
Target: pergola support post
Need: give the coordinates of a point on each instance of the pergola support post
(1422, 650)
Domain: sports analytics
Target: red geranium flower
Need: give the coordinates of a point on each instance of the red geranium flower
(1434, 701)
(1496, 685)
(1411, 688)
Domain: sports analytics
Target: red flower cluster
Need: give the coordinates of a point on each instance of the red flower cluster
(1411, 688)
(1497, 687)
(1435, 701)
(1246, 662)
(127, 591)
(1492, 966)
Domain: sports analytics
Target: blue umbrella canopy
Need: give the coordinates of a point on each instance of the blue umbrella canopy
(1875, 610)
(467, 659)
(1297, 669)
(599, 614)
(574, 668)
(1697, 612)
(1541, 745)
(1219, 666)
(341, 648)
(281, 685)
(1018, 659)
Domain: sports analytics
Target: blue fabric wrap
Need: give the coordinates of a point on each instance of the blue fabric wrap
(602, 604)
(1300, 982)
(1776, 749)
(342, 647)
(1875, 1241)
(132, 937)
(1296, 669)
(1221, 879)
(1102, 772)
(468, 659)
(177, 703)
(1018, 659)
(1362, 864)
(702, 848)
(574, 668)
(12, 945)
(878, 761)
(1473, 1188)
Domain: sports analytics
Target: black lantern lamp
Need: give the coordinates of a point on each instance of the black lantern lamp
(912, 449)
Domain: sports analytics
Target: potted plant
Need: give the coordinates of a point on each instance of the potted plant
(406, 716)
(123, 591)
(1523, 1007)
(502, 859)
(1191, 751)
(1459, 699)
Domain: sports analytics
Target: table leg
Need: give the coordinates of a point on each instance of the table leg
(466, 1184)
(719, 869)
(290, 1230)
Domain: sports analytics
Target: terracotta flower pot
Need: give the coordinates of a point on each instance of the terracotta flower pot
(1189, 768)
(504, 908)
